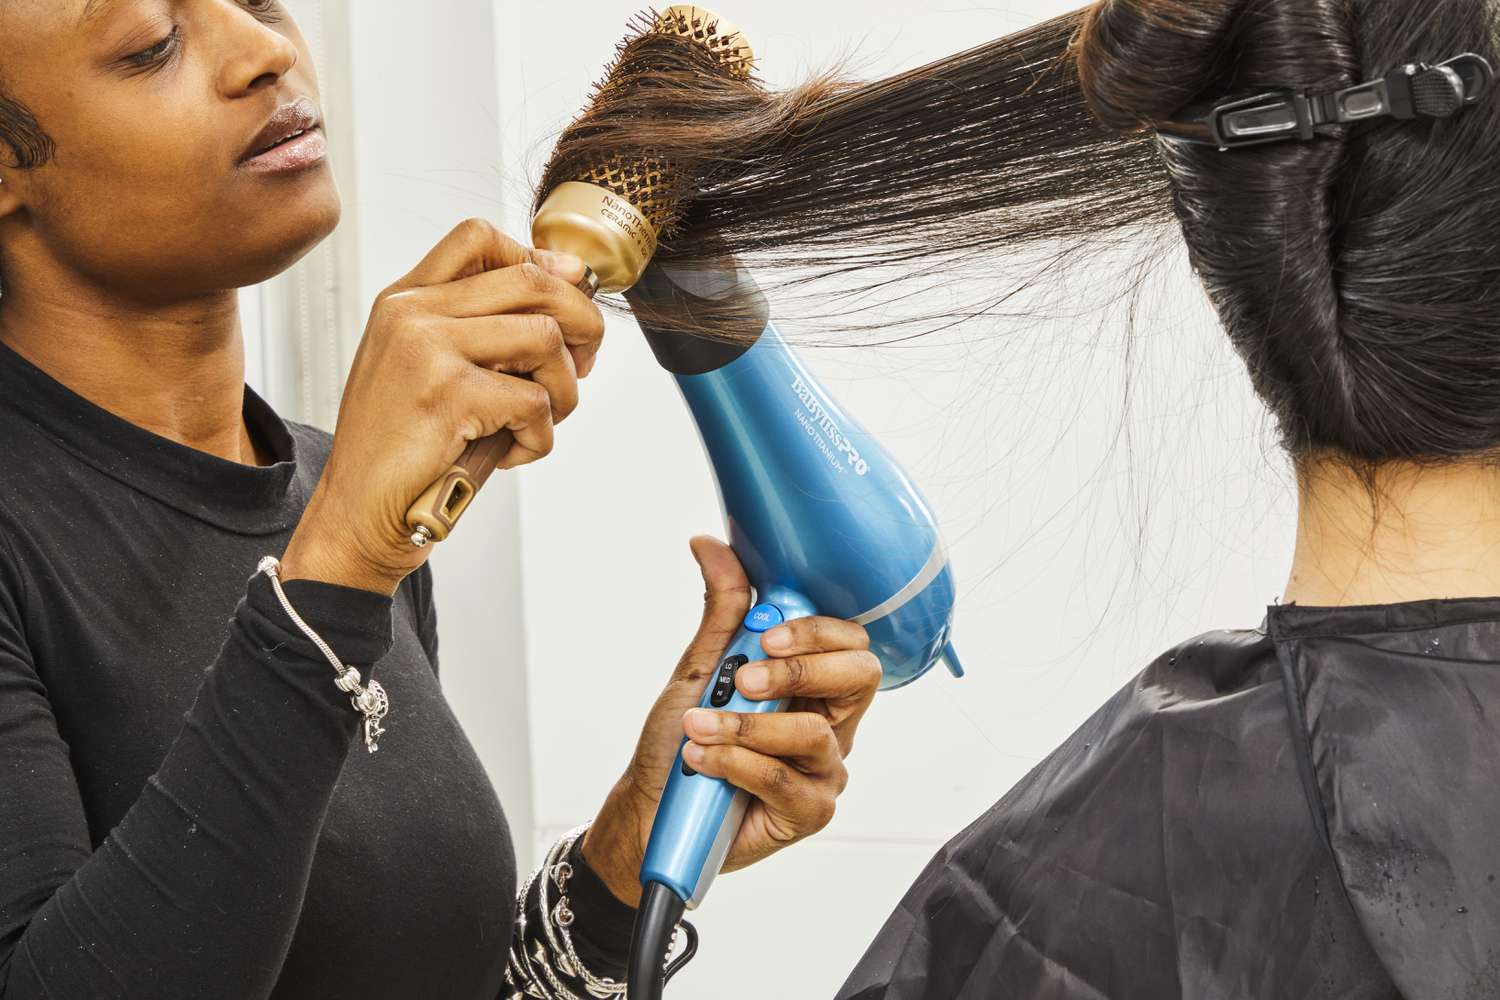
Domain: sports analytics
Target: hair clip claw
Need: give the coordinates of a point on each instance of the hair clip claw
(1415, 90)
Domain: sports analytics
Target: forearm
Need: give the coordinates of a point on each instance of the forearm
(197, 891)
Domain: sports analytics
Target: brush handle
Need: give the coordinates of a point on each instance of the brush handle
(698, 816)
(435, 514)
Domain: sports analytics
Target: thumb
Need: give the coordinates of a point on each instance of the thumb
(726, 599)
(566, 266)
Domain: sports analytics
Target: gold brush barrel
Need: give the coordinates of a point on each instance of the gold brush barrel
(612, 215)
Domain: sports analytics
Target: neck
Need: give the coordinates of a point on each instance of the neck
(1421, 534)
(177, 370)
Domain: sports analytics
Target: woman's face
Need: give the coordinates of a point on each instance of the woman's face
(157, 109)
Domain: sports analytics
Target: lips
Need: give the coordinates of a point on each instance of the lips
(287, 126)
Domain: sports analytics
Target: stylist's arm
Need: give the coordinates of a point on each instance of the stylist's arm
(791, 762)
(483, 335)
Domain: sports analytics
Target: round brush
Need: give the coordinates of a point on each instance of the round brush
(612, 213)
(611, 217)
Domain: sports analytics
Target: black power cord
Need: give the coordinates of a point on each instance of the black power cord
(659, 914)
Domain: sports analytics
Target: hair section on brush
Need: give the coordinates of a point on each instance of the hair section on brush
(1354, 273)
(950, 166)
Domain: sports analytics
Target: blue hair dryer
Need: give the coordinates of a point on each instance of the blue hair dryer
(824, 522)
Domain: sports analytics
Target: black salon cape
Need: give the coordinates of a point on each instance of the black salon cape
(1307, 810)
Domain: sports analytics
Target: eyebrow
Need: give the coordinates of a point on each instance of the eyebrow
(92, 9)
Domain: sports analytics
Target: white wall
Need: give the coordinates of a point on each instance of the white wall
(1014, 433)
(302, 327)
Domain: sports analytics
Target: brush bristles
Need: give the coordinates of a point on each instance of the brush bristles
(640, 182)
(647, 182)
(703, 27)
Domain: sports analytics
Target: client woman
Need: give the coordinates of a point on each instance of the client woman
(181, 815)
(1310, 808)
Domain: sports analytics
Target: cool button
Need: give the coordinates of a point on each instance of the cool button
(763, 618)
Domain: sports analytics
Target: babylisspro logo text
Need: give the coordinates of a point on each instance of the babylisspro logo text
(830, 440)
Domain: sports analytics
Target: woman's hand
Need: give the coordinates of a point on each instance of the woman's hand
(791, 762)
(483, 335)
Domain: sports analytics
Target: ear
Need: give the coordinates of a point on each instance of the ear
(10, 195)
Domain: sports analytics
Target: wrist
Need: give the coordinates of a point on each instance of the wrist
(329, 556)
(613, 846)
(323, 566)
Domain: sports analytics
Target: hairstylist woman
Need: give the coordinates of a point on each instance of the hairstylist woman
(187, 805)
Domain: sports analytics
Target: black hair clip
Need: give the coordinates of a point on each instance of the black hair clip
(1416, 90)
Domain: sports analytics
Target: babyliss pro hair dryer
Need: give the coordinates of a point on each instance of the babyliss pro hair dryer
(824, 521)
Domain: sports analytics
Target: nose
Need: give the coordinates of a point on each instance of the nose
(257, 55)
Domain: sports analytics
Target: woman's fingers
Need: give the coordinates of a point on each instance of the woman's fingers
(526, 288)
(841, 684)
(800, 804)
(814, 635)
(530, 345)
(491, 401)
(474, 245)
(806, 739)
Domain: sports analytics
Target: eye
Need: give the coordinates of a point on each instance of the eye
(268, 11)
(158, 53)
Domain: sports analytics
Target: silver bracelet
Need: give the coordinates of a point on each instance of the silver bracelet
(533, 973)
(521, 968)
(562, 918)
(370, 699)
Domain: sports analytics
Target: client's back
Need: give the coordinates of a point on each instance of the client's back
(1305, 810)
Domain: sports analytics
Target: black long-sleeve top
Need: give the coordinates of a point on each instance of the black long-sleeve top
(185, 807)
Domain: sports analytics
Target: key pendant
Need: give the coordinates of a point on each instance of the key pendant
(374, 704)
(372, 732)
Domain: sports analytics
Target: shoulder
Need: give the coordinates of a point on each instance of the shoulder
(313, 445)
(1129, 843)
(1212, 666)
(15, 499)
(1122, 762)
(14, 591)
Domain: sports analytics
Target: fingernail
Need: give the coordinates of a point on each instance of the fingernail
(778, 638)
(703, 722)
(693, 754)
(755, 680)
(564, 265)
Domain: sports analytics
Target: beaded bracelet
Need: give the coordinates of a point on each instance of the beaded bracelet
(370, 699)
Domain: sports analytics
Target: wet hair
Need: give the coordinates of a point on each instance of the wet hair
(1354, 273)
(29, 146)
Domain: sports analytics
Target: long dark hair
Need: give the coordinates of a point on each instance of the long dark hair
(1354, 273)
